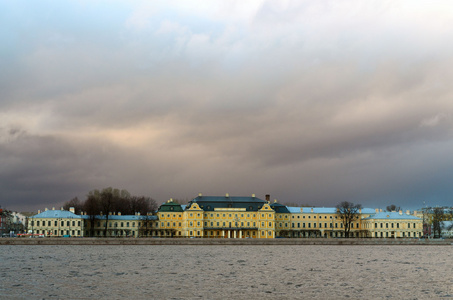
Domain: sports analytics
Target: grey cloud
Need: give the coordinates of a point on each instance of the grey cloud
(300, 102)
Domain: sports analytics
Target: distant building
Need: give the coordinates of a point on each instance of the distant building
(228, 217)
(393, 225)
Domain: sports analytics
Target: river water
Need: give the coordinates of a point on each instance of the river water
(226, 272)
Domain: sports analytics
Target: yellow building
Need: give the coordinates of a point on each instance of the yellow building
(229, 217)
(218, 217)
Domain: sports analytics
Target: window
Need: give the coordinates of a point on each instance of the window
(314, 225)
(56, 223)
(270, 224)
(37, 223)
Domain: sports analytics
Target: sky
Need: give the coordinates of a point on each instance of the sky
(312, 102)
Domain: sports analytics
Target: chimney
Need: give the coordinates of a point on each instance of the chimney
(400, 212)
(312, 209)
(408, 212)
(275, 200)
(72, 209)
(119, 213)
(39, 211)
(380, 210)
(62, 208)
(53, 208)
(110, 213)
(377, 210)
(301, 209)
(360, 210)
(268, 198)
(253, 195)
(46, 209)
(138, 214)
(200, 194)
(227, 195)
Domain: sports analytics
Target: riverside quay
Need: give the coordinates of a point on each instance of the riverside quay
(228, 217)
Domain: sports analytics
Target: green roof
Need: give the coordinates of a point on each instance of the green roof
(280, 208)
(209, 203)
(170, 206)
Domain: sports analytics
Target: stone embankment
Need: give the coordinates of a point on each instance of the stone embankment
(210, 241)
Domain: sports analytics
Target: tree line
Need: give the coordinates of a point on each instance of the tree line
(112, 200)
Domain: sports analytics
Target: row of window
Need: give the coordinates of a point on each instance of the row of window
(49, 223)
(403, 234)
(303, 217)
(263, 215)
(55, 232)
(392, 225)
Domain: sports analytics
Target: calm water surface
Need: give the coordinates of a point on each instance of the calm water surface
(226, 272)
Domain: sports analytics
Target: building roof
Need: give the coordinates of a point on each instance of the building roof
(324, 210)
(209, 203)
(123, 217)
(170, 206)
(64, 214)
(280, 208)
(392, 216)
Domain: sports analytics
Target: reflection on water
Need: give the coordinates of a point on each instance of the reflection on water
(225, 272)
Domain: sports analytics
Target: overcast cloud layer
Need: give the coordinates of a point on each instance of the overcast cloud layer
(310, 101)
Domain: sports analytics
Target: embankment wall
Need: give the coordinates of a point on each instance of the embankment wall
(209, 241)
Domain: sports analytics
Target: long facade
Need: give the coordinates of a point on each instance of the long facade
(229, 217)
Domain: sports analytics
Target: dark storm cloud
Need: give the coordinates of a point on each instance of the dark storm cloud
(313, 102)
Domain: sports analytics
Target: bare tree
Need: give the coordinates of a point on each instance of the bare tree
(74, 202)
(106, 205)
(348, 212)
(92, 209)
(437, 218)
(392, 207)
